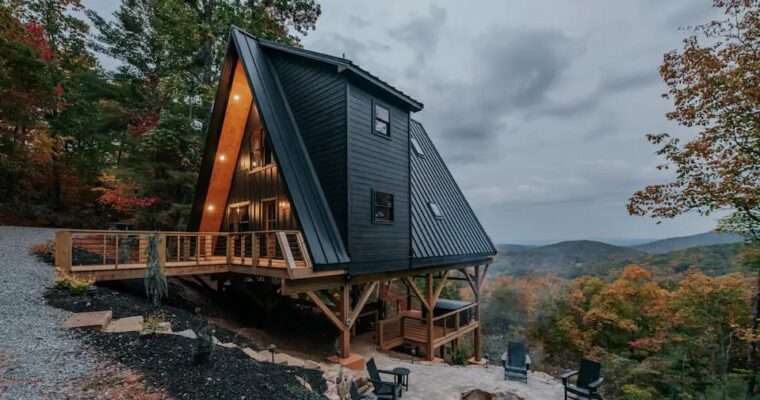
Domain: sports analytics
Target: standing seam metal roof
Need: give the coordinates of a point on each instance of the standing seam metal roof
(459, 232)
(317, 223)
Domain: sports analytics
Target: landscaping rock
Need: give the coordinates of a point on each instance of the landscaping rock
(128, 324)
(188, 333)
(94, 319)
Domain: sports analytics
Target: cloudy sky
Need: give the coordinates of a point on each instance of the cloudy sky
(539, 107)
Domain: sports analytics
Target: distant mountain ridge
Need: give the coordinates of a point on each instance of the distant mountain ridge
(685, 242)
(713, 252)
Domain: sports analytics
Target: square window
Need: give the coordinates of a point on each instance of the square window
(382, 208)
(437, 213)
(417, 148)
(382, 120)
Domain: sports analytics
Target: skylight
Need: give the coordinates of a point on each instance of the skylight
(435, 210)
(417, 148)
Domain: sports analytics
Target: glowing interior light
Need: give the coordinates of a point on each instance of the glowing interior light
(236, 97)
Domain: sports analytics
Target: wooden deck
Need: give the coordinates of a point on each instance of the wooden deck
(97, 255)
(411, 328)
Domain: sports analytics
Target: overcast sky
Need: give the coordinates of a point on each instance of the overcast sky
(539, 107)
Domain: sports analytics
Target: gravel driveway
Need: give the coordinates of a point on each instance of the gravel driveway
(37, 357)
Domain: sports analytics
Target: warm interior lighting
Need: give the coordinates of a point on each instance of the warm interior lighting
(236, 97)
(284, 205)
(222, 157)
(210, 207)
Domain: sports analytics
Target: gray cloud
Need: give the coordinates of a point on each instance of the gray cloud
(421, 34)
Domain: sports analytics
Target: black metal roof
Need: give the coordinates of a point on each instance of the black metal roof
(344, 64)
(457, 235)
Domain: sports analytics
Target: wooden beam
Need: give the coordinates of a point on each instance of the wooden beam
(345, 311)
(429, 348)
(63, 252)
(287, 254)
(483, 275)
(327, 311)
(471, 282)
(440, 287)
(360, 304)
(410, 283)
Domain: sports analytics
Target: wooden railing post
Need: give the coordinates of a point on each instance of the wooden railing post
(161, 250)
(230, 239)
(287, 254)
(63, 252)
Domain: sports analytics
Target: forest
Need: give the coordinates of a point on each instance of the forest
(82, 145)
(85, 145)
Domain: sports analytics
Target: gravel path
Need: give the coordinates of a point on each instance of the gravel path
(37, 357)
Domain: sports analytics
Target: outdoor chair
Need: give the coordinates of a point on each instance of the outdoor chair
(587, 384)
(355, 395)
(383, 389)
(515, 366)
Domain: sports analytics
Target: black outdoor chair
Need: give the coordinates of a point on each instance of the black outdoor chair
(515, 366)
(587, 385)
(355, 395)
(383, 389)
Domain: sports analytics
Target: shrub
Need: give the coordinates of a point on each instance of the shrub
(75, 287)
(152, 322)
(44, 252)
(460, 355)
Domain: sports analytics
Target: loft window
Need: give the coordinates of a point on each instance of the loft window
(382, 208)
(435, 210)
(417, 148)
(382, 120)
(261, 154)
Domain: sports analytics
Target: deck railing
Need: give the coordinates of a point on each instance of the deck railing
(111, 250)
(413, 327)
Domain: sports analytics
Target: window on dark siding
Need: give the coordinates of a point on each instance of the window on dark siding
(437, 213)
(261, 154)
(417, 148)
(382, 120)
(382, 208)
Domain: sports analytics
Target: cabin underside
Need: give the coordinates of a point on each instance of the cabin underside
(404, 310)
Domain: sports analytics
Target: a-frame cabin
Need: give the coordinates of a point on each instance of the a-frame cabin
(315, 175)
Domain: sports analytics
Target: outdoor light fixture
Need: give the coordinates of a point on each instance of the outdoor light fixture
(210, 207)
(284, 205)
(222, 157)
(236, 97)
(273, 350)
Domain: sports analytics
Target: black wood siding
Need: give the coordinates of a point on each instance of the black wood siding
(316, 95)
(380, 164)
(263, 184)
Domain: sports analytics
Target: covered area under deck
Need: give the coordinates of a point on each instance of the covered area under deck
(418, 317)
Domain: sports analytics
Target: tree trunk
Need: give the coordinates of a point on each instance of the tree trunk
(752, 352)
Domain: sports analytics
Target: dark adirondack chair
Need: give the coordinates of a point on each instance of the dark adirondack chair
(383, 389)
(355, 395)
(515, 367)
(587, 384)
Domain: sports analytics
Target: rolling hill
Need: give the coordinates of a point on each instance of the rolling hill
(685, 242)
(569, 259)
(575, 258)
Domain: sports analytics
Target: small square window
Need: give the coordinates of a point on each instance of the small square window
(417, 148)
(381, 120)
(435, 210)
(382, 208)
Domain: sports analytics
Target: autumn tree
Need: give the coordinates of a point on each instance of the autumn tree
(171, 53)
(714, 83)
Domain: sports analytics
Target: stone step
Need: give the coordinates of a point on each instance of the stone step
(93, 319)
(128, 324)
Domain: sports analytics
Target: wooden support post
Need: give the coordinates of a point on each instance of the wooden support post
(162, 250)
(63, 252)
(254, 250)
(345, 312)
(229, 245)
(477, 333)
(430, 306)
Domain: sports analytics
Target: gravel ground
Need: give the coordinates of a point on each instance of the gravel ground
(37, 357)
